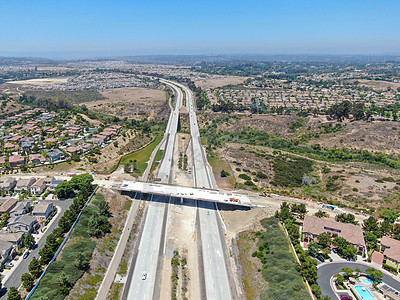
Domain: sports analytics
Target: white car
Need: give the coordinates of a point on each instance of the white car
(144, 275)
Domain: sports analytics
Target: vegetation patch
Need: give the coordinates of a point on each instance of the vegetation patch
(289, 172)
(279, 266)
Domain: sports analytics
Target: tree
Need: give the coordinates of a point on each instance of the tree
(75, 157)
(285, 213)
(348, 272)
(314, 248)
(371, 225)
(376, 275)
(371, 240)
(390, 214)
(224, 173)
(344, 248)
(308, 270)
(14, 294)
(346, 218)
(64, 282)
(103, 206)
(321, 214)
(81, 262)
(35, 268)
(28, 240)
(339, 279)
(27, 281)
(325, 240)
(64, 190)
(316, 290)
(386, 227)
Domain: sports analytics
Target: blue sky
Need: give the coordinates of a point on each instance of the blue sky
(107, 28)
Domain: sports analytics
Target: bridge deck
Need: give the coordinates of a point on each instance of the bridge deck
(186, 192)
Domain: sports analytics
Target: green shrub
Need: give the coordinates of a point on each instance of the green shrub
(244, 177)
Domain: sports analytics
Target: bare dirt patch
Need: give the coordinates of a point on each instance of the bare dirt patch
(130, 101)
(220, 81)
(378, 84)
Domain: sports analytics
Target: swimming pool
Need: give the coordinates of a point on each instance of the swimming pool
(366, 280)
(365, 295)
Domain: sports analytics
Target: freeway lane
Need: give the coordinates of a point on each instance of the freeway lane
(214, 255)
(148, 251)
(327, 270)
(147, 259)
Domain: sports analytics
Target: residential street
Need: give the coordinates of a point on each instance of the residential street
(327, 270)
(15, 279)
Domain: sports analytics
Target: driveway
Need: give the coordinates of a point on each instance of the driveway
(326, 271)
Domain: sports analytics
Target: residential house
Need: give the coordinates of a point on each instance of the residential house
(16, 160)
(314, 226)
(20, 209)
(24, 184)
(37, 159)
(26, 146)
(24, 223)
(42, 211)
(55, 155)
(53, 185)
(39, 186)
(7, 184)
(86, 147)
(12, 237)
(8, 205)
(9, 146)
(51, 140)
(15, 139)
(2, 161)
(74, 150)
(391, 251)
(7, 251)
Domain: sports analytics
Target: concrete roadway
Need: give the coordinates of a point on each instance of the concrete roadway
(214, 253)
(327, 270)
(148, 252)
(147, 259)
(15, 279)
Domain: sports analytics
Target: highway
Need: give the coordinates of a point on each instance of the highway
(212, 240)
(149, 251)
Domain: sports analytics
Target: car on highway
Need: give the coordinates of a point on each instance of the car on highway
(26, 254)
(144, 275)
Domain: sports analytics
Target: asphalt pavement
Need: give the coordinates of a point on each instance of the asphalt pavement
(327, 270)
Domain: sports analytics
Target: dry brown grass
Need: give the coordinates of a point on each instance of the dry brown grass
(130, 101)
(220, 81)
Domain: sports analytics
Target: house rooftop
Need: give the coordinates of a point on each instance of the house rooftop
(352, 233)
(393, 248)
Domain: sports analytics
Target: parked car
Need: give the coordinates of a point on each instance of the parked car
(346, 297)
(9, 265)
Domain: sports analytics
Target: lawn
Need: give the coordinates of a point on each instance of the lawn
(141, 156)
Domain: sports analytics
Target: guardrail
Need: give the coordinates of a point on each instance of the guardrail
(61, 246)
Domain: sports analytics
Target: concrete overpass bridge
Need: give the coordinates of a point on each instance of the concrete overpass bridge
(210, 195)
